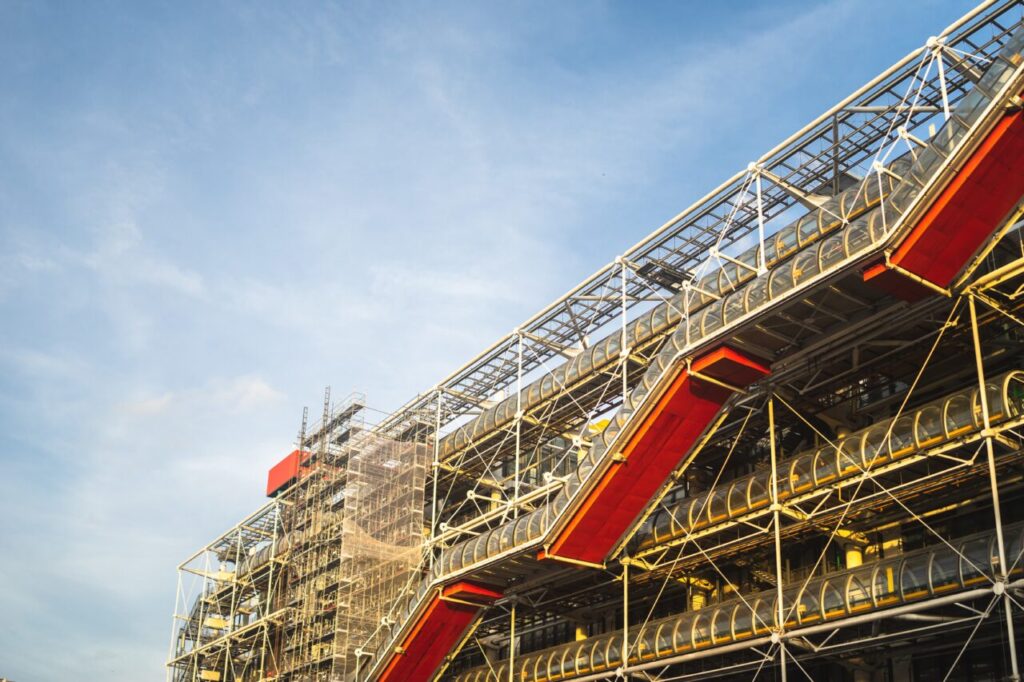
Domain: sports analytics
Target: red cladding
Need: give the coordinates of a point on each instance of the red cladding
(895, 283)
(437, 631)
(670, 430)
(285, 472)
(964, 215)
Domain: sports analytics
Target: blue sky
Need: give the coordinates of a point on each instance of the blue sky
(210, 211)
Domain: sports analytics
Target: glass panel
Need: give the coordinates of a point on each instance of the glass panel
(1015, 393)
(849, 453)
(996, 409)
(701, 630)
(872, 452)
(1015, 550)
(568, 662)
(993, 556)
(660, 318)
(858, 595)
(959, 415)
(831, 251)
(770, 252)
(535, 526)
(734, 307)
(738, 497)
(681, 634)
(800, 475)
(805, 266)
(901, 198)
(494, 541)
(642, 645)
(857, 237)
(948, 136)
(597, 656)
(742, 621)
(520, 529)
(612, 346)
(694, 327)
(696, 514)
(721, 628)
(825, 465)
(807, 228)
(929, 426)
(586, 362)
(661, 523)
(972, 104)
(885, 585)
(643, 326)
(582, 658)
(727, 277)
(756, 492)
(945, 570)
(785, 241)
(901, 440)
(878, 224)
(613, 651)
(808, 610)
(914, 577)
(996, 75)
(781, 280)
(553, 665)
(764, 615)
(717, 511)
(663, 639)
(756, 293)
(711, 319)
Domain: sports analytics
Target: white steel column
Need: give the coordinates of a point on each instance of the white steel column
(762, 266)
(435, 468)
(624, 659)
(512, 643)
(624, 345)
(1000, 586)
(776, 509)
(519, 420)
(935, 45)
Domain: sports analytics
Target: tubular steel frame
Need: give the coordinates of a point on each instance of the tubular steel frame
(519, 465)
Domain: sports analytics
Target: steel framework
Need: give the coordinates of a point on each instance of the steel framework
(782, 435)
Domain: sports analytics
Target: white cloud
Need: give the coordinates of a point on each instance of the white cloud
(201, 230)
(120, 256)
(238, 395)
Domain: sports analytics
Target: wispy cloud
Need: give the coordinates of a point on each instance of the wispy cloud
(209, 212)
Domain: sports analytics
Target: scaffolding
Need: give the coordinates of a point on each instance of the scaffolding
(228, 602)
(782, 435)
(355, 519)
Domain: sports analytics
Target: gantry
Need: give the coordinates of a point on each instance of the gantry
(780, 436)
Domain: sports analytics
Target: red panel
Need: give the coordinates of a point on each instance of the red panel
(895, 283)
(681, 415)
(440, 627)
(969, 209)
(286, 471)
